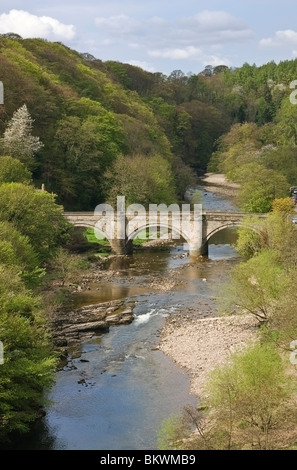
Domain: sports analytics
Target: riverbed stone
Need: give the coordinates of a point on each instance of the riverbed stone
(69, 326)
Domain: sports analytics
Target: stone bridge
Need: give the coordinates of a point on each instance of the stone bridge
(194, 228)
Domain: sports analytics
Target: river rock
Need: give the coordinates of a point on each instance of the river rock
(70, 326)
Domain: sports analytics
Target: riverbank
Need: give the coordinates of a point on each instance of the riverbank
(219, 184)
(200, 345)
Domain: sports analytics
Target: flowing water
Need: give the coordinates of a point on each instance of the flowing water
(117, 393)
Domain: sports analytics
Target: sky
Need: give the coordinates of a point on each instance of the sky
(162, 35)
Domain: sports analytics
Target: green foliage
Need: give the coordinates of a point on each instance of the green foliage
(255, 286)
(87, 147)
(66, 267)
(281, 237)
(283, 325)
(184, 177)
(27, 371)
(13, 170)
(142, 180)
(248, 398)
(29, 362)
(16, 250)
(169, 433)
(282, 160)
(87, 113)
(36, 215)
(246, 406)
(251, 237)
(276, 233)
(259, 187)
(283, 206)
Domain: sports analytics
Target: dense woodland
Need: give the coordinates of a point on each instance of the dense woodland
(100, 120)
(90, 130)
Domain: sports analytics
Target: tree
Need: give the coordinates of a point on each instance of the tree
(246, 406)
(236, 148)
(86, 147)
(36, 215)
(29, 363)
(251, 237)
(283, 206)
(276, 233)
(141, 179)
(13, 170)
(247, 399)
(184, 177)
(16, 250)
(281, 237)
(255, 286)
(18, 140)
(66, 266)
(259, 186)
(281, 159)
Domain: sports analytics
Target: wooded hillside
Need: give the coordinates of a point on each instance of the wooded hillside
(98, 120)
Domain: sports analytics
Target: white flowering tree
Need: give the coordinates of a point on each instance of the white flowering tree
(18, 140)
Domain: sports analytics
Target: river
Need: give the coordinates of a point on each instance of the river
(116, 393)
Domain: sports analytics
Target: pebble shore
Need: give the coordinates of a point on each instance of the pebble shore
(201, 345)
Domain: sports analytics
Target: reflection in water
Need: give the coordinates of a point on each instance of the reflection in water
(221, 244)
(139, 263)
(104, 292)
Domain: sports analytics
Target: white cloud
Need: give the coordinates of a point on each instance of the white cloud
(284, 38)
(196, 38)
(207, 27)
(121, 24)
(210, 21)
(27, 25)
(191, 53)
(177, 53)
(214, 60)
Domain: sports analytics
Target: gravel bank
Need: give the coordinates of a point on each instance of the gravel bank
(219, 184)
(202, 344)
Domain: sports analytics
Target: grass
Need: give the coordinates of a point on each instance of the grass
(103, 245)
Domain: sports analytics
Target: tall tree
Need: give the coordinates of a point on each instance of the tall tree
(13, 171)
(18, 140)
(36, 215)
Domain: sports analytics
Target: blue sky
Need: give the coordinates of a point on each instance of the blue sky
(162, 35)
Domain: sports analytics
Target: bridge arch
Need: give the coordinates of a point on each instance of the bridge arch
(90, 224)
(220, 228)
(230, 224)
(131, 236)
